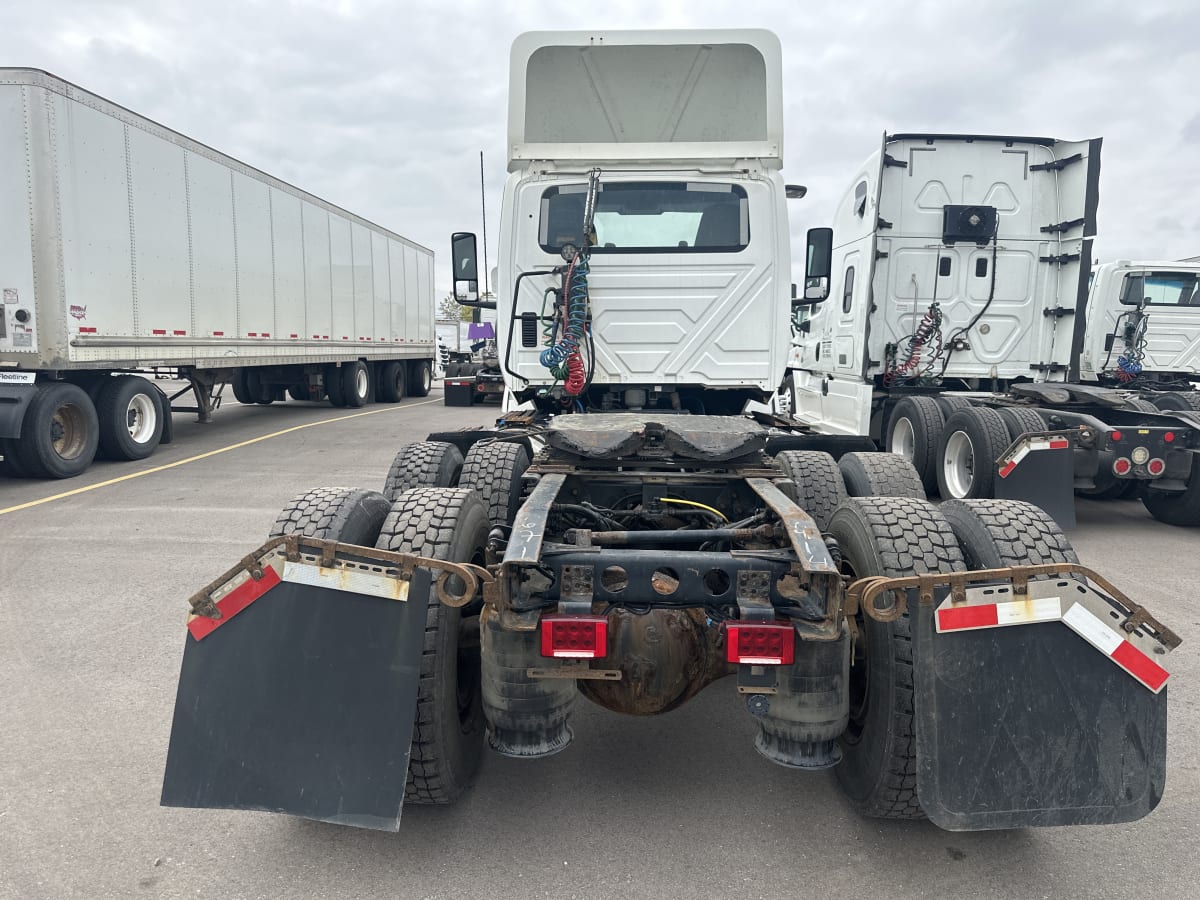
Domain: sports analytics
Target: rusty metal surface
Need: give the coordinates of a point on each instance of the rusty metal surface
(529, 526)
(802, 531)
(865, 593)
(689, 536)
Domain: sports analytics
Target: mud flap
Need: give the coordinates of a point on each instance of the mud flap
(1039, 469)
(1032, 726)
(303, 703)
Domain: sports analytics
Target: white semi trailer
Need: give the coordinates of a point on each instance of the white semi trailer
(949, 304)
(125, 246)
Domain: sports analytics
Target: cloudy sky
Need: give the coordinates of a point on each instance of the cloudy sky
(383, 107)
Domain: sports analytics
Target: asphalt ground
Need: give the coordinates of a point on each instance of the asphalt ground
(92, 611)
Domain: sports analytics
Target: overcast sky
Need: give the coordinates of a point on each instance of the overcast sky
(382, 108)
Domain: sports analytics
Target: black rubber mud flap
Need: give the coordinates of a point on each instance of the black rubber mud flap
(1039, 470)
(1032, 726)
(301, 704)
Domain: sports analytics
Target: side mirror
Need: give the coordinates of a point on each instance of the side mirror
(464, 259)
(818, 266)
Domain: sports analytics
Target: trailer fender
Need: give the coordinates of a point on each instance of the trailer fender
(16, 390)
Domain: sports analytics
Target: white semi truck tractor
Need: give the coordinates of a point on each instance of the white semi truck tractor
(126, 247)
(627, 536)
(950, 316)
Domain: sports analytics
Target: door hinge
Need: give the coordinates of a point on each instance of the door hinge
(1060, 260)
(1060, 227)
(889, 160)
(883, 223)
(881, 254)
(1057, 165)
(1058, 312)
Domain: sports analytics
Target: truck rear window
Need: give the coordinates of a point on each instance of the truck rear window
(1161, 289)
(649, 217)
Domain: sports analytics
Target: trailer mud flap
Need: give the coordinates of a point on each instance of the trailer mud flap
(303, 703)
(1039, 469)
(1032, 725)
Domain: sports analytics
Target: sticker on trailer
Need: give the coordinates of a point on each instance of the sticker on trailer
(10, 295)
(17, 377)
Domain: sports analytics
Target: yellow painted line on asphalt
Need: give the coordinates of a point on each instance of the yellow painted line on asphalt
(200, 456)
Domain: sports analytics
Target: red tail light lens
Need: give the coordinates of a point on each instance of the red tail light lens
(1115, 435)
(1122, 466)
(1169, 436)
(1156, 467)
(760, 643)
(575, 637)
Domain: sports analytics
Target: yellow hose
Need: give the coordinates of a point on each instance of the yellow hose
(724, 518)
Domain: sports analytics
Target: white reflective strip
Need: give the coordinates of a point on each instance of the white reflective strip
(575, 654)
(1092, 629)
(1016, 612)
(338, 579)
(1022, 452)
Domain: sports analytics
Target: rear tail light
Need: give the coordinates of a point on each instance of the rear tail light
(1122, 466)
(1156, 467)
(575, 637)
(760, 643)
(1115, 435)
(1169, 436)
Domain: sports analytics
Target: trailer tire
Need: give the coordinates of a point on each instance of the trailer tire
(130, 413)
(241, 390)
(348, 515)
(60, 432)
(447, 744)
(820, 488)
(971, 442)
(914, 430)
(1177, 400)
(1182, 508)
(420, 378)
(298, 391)
(874, 474)
(332, 378)
(891, 536)
(259, 391)
(391, 381)
(998, 533)
(1019, 420)
(356, 383)
(494, 470)
(423, 464)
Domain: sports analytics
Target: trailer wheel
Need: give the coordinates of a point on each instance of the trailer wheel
(913, 433)
(298, 391)
(447, 745)
(1182, 508)
(494, 470)
(971, 442)
(259, 391)
(332, 378)
(819, 484)
(874, 474)
(356, 383)
(1019, 420)
(891, 536)
(423, 464)
(1177, 400)
(998, 533)
(391, 381)
(131, 417)
(241, 390)
(347, 515)
(60, 432)
(420, 378)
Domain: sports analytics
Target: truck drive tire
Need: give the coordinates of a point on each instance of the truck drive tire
(893, 537)
(914, 431)
(494, 470)
(356, 383)
(420, 378)
(131, 417)
(423, 464)
(1019, 420)
(819, 484)
(347, 515)
(59, 434)
(1182, 508)
(1177, 400)
(447, 745)
(997, 533)
(392, 379)
(971, 442)
(880, 475)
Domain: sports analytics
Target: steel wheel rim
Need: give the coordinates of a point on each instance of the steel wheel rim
(904, 441)
(959, 465)
(426, 378)
(68, 431)
(140, 418)
(360, 382)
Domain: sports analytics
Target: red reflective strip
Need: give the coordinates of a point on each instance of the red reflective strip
(178, 332)
(161, 331)
(344, 338)
(1007, 468)
(1059, 444)
(218, 334)
(83, 329)
(1140, 666)
(294, 335)
(953, 618)
(233, 603)
(251, 334)
(266, 334)
(316, 337)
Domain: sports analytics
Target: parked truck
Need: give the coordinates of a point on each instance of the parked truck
(126, 247)
(950, 315)
(627, 535)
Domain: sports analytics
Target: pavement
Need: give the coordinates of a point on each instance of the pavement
(92, 611)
